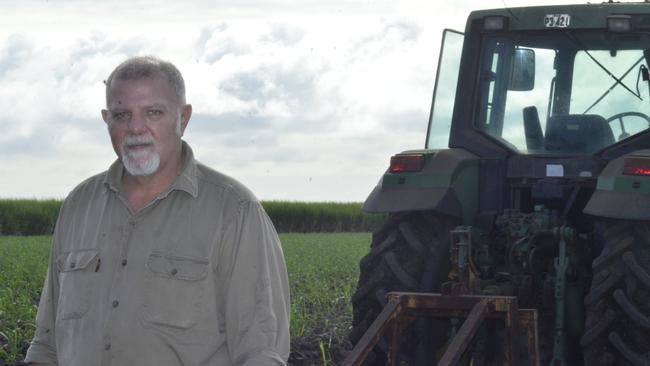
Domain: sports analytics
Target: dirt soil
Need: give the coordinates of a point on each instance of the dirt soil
(333, 335)
(306, 352)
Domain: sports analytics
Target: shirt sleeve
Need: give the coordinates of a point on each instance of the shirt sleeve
(257, 300)
(42, 349)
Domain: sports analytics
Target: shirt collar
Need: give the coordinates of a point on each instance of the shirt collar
(186, 181)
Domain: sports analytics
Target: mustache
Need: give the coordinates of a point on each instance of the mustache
(138, 140)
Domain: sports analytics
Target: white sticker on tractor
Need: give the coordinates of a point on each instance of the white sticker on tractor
(554, 170)
(557, 20)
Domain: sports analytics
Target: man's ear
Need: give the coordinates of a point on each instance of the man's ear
(105, 115)
(186, 113)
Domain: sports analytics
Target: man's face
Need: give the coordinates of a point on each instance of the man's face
(145, 122)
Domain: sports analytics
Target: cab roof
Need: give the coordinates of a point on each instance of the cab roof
(582, 16)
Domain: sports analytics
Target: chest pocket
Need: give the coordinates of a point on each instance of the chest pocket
(76, 277)
(175, 290)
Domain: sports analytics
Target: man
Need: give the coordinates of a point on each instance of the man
(160, 260)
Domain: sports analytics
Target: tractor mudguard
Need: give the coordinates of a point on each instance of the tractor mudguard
(446, 182)
(623, 188)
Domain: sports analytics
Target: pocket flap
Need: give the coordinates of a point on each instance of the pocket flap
(76, 260)
(175, 266)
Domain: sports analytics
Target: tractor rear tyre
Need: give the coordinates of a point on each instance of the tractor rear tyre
(410, 252)
(618, 305)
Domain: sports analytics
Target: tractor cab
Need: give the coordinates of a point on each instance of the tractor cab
(547, 84)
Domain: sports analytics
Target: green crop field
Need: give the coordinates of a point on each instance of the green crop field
(37, 217)
(323, 270)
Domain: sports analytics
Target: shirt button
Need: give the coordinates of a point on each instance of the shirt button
(174, 271)
(107, 346)
(115, 303)
(123, 262)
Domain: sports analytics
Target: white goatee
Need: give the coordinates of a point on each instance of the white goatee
(143, 162)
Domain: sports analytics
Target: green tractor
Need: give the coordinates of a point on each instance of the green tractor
(528, 208)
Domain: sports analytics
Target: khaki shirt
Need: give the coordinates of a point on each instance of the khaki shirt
(197, 277)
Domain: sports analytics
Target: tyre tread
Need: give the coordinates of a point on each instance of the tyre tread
(618, 324)
(403, 256)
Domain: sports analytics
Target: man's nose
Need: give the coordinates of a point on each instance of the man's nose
(137, 123)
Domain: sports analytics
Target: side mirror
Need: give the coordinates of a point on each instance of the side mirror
(522, 70)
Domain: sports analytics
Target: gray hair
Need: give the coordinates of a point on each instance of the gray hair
(147, 67)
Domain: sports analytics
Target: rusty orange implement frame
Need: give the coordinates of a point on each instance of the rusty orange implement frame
(475, 309)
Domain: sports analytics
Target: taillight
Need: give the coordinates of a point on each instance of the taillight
(636, 166)
(406, 163)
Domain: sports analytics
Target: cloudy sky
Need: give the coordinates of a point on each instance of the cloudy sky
(299, 99)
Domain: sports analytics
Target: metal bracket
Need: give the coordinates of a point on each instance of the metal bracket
(475, 309)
